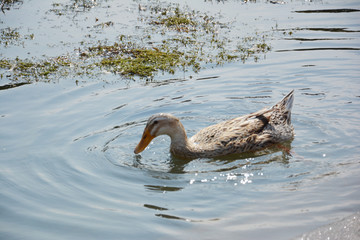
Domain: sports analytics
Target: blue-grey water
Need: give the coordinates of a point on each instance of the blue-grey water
(66, 147)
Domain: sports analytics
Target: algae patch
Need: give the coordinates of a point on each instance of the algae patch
(74, 6)
(11, 36)
(172, 38)
(129, 60)
(32, 70)
(8, 4)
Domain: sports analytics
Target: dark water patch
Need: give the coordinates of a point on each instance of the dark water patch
(155, 207)
(159, 99)
(317, 39)
(313, 94)
(341, 10)
(325, 175)
(12, 85)
(308, 65)
(119, 107)
(298, 174)
(175, 98)
(207, 78)
(345, 30)
(122, 127)
(173, 217)
(318, 29)
(162, 188)
(163, 82)
(319, 49)
(249, 97)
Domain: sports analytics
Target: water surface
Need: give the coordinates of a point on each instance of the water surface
(66, 149)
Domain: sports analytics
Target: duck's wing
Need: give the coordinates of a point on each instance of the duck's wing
(249, 132)
(233, 130)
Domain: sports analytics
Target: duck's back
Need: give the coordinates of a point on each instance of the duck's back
(249, 132)
(239, 127)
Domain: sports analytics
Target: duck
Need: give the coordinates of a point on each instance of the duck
(247, 133)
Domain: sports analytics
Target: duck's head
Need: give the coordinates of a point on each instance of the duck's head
(159, 124)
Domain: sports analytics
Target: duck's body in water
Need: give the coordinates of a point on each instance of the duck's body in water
(242, 134)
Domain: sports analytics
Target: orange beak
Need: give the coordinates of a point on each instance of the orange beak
(144, 142)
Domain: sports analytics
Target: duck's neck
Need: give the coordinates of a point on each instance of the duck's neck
(180, 144)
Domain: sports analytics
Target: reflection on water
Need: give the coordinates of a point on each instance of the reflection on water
(66, 151)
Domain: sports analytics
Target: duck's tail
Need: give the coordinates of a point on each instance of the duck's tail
(288, 101)
(284, 107)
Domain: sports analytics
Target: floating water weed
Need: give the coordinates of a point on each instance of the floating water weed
(174, 38)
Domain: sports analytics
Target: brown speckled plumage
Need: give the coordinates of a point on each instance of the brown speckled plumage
(242, 134)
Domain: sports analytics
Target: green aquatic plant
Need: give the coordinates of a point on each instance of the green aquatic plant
(173, 39)
(32, 70)
(11, 36)
(130, 59)
(7, 4)
(175, 19)
(201, 38)
(73, 6)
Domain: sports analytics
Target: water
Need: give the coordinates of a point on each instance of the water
(66, 150)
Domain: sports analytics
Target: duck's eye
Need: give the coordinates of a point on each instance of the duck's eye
(156, 122)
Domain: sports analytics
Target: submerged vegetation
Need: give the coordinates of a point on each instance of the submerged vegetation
(31, 70)
(174, 38)
(129, 60)
(74, 6)
(10, 36)
(7, 4)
